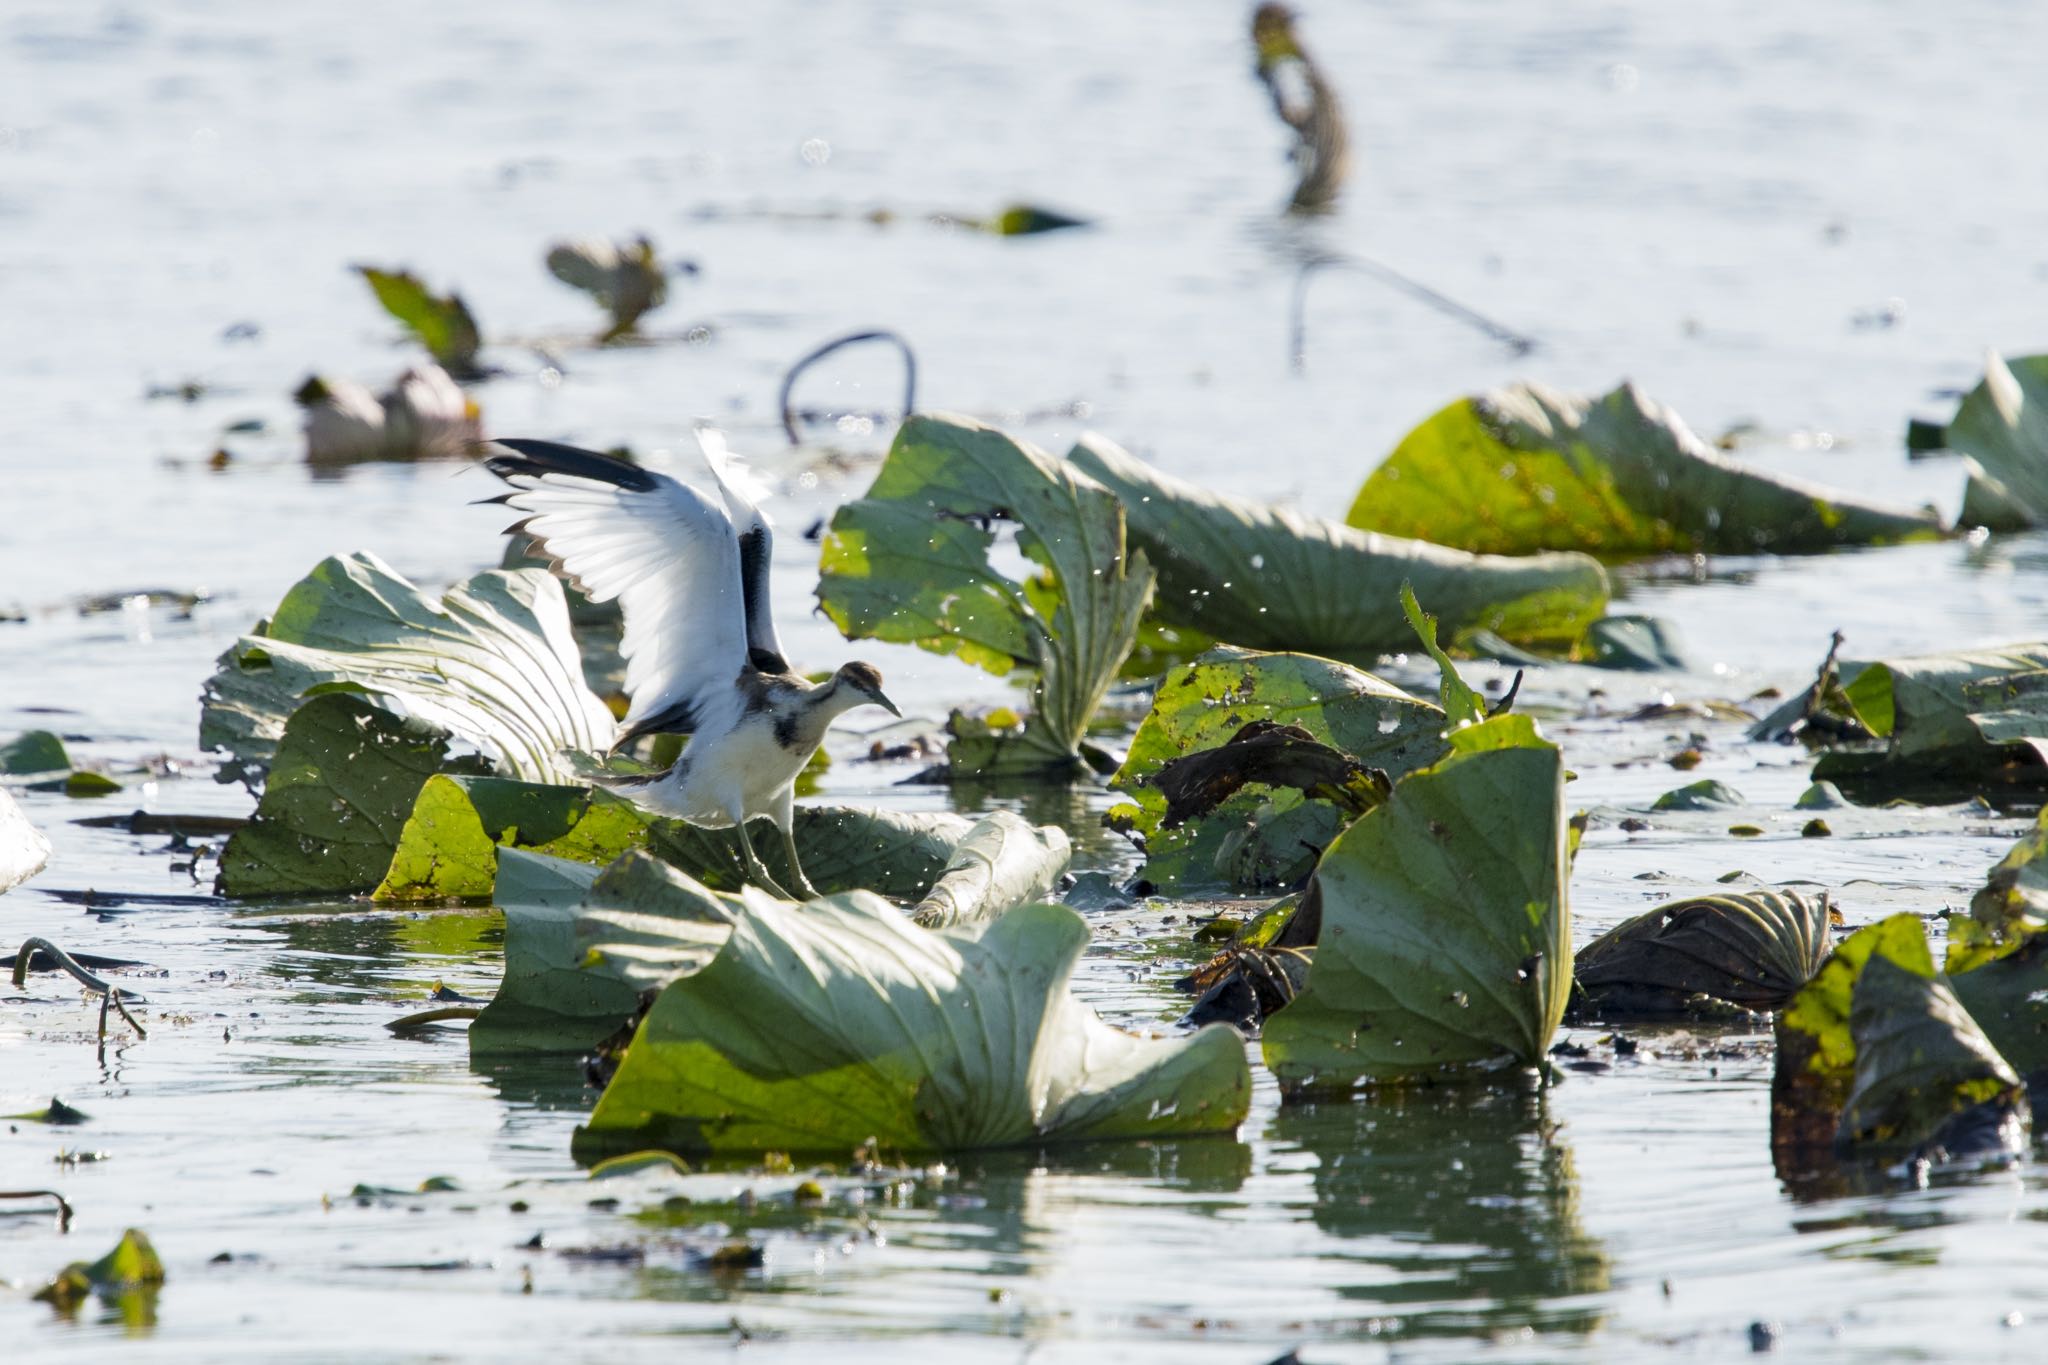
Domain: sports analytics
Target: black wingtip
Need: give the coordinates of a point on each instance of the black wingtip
(533, 459)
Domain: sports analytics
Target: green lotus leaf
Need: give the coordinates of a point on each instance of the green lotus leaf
(493, 663)
(441, 322)
(34, 751)
(448, 847)
(2010, 909)
(1003, 861)
(1815, 1062)
(556, 995)
(345, 778)
(126, 1277)
(823, 1026)
(2002, 426)
(1702, 795)
(1446, 927)
(1462, 706)
(909, 563)
(1528, 468)
(1942, 723)
(1203, 705)
(898, 854)
(1270, 578)
(1925, 1073)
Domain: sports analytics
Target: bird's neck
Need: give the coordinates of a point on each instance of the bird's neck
(831, 701)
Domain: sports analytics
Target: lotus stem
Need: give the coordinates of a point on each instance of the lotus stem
(110, 995)
(789, 380)
(64, 1211)
(434, 1016)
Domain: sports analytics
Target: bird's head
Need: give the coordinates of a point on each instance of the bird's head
(1273, 33)
(865, 680)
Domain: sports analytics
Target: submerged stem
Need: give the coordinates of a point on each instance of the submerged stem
(110, 995)
(64, 1212)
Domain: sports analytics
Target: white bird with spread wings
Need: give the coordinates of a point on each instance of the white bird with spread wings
(686, 555)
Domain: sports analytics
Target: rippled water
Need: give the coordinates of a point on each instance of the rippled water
(1720, 203)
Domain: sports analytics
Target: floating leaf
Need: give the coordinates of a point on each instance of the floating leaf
(823, 1026)
(1926, 1076)
(24, 849)
(1943, 721)
(441, 322)
(910, 563)
(1270, 578)
(448, 847)
(2008, 997)
(88, 784)
(1640, 644)
(1821, 796)
(1701, 795)
(2002, 426)
(1528, 468)
(2011, 908)
(33, 751)
(1203, 705)
(493, 663)
(549, 1000)
(1816, 1050)
(647, 924)
(898, 854)
(1445, 936)
(1023, 220)
(346, 775)
(126, 1277)
(56, 1113)
(1752, 950)
(1003, 861)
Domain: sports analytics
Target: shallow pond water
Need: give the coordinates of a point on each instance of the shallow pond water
(1723, 204)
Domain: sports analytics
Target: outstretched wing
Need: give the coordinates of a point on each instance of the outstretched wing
(669, 555)
(742, 494)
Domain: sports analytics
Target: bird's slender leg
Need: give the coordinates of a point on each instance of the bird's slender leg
(757, 871)
(784, 815)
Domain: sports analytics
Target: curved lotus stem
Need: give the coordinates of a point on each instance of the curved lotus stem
(789, 380)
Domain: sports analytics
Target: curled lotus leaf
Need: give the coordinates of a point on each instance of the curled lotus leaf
(825, 1025)
(1267, 577)
(1752, 950)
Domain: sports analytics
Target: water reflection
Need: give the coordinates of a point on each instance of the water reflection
(1464, 1199)
(378, 953)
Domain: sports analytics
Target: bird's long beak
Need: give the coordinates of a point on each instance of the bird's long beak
(882, 700)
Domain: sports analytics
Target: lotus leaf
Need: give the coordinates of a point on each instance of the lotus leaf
(1752, 950)
(1270, 578)
(345, 778)
(910, 563)
(448, 847)
(1528, 468)
(1203, 705)
(441, 322)
(1446, 927)
(493, 663)
(1926, 1076)
(2002, 426)
(823, 1026)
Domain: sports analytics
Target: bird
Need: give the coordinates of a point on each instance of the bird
(687, 560)
(1306, 102)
